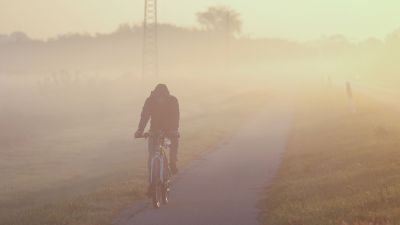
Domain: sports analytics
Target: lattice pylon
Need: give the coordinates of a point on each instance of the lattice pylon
(150, 42)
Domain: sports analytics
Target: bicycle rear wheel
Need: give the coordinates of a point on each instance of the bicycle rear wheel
(157, 186)
(165, 192)
(166, 180)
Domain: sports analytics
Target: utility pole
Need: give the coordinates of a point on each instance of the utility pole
(349, 91)
(228, 42)
(150, 42)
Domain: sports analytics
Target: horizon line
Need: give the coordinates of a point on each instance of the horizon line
(197, 28)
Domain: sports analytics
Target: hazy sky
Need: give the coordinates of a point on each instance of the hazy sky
(294, 19)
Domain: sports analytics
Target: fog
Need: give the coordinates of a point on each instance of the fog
(70, 105)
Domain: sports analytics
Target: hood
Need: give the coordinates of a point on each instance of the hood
(161, 90)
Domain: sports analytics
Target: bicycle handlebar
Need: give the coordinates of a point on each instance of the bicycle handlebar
(148, 134)
(145, 135)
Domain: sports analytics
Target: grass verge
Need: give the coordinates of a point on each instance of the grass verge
(339, 167)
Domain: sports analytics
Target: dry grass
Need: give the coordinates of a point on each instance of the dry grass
(339, 167)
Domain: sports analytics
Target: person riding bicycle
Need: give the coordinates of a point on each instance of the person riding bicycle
(162, 109)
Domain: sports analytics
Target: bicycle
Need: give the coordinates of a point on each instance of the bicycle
(159, 169)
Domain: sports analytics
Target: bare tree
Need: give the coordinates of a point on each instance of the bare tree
(220, 19)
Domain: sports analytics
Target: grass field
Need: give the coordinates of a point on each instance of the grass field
(340, 168)
(70, 158)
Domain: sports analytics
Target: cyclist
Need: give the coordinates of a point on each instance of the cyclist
(162, 109)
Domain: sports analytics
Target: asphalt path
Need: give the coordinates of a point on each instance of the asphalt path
(225, 187)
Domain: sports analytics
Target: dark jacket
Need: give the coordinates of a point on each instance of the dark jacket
(162, 109)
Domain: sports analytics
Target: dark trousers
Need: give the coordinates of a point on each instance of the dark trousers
(173, 151)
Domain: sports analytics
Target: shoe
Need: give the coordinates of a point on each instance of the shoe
(174, 169)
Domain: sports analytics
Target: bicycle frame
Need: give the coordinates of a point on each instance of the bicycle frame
(159, 155)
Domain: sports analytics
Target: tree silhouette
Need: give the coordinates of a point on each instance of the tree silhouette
(220, 19)
(393, 39)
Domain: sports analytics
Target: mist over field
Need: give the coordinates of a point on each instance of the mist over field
(69, 105)
(197, 51)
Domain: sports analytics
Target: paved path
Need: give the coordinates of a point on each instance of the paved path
(225, 187)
